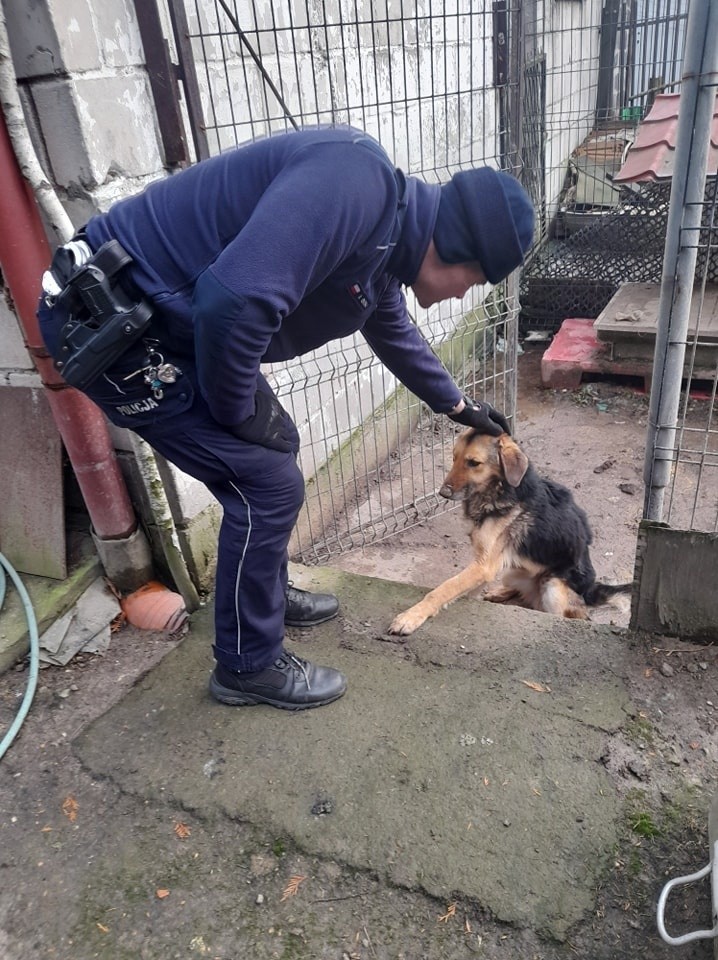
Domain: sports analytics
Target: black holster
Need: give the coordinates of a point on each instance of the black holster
(103, 319)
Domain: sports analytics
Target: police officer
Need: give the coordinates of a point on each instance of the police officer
(257, 256)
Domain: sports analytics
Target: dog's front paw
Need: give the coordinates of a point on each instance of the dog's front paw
(407, 622)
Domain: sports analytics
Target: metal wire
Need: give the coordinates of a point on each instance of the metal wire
(418, 77)
(691, 501)
(552, 91)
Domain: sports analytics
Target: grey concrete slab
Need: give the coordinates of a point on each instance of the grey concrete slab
(675, 592)
(32, 516)
(464, 761)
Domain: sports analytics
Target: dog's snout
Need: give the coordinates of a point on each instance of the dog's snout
(447, 491)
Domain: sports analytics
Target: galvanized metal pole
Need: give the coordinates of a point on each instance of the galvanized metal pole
(698, 92)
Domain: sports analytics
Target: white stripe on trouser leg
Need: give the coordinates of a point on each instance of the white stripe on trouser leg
(240, 564)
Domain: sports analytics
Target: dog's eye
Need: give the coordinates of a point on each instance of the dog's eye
(473, 463)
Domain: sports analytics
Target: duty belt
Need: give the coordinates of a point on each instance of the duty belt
(103, 319)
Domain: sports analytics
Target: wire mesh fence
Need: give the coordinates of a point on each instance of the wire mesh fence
(554, 91)
(374, 455)
(691, 501)
(576, 275)
(421, 77)
(594, 101)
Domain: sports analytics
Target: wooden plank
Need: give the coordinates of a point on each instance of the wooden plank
(32, 509)
(630, 321)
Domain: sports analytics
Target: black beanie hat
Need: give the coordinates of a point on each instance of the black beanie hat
(484, 215)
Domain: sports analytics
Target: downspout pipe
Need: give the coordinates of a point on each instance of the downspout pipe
(24, 255)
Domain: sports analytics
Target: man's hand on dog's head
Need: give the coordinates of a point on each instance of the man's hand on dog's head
(480, 415)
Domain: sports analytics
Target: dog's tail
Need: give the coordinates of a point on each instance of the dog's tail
(599, 593)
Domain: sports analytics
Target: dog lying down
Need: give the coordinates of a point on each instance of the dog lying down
(530, 538)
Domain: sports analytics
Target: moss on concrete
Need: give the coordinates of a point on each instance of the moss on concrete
(50, 599)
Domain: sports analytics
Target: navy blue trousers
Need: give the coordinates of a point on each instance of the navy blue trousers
(261, 491)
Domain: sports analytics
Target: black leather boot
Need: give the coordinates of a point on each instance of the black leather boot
(290, 683)
(305, 609)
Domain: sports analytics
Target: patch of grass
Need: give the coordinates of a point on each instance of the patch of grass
(640, 730)
(294, 948)
(681, 813)
(634, 864)
(662, 835)
(686, 807)
(644, 825)
(279, 847)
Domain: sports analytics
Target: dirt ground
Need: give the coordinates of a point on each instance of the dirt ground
(664, 764)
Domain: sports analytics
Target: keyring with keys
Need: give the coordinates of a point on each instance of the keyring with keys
(157, 372)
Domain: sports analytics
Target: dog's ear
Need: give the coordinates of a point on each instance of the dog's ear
(514, 461)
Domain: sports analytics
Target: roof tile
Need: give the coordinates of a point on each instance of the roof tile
(652, 154)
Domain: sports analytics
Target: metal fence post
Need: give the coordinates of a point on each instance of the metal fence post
(698, 90)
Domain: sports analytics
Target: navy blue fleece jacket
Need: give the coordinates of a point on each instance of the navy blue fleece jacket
(273, 249)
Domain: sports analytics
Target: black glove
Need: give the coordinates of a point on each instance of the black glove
(269, 426)
(482, 417)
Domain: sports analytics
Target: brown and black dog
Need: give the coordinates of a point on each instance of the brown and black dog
(528, 534)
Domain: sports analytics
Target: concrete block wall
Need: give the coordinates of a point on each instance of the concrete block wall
(16, 367)
(86, 94)
(572, 33)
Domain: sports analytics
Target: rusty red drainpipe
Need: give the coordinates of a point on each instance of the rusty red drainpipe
(24, 255)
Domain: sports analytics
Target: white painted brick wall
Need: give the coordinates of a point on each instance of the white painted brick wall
(72, 36)
(98, 128)
(573, 39)
(52, 36)
(16, 367)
